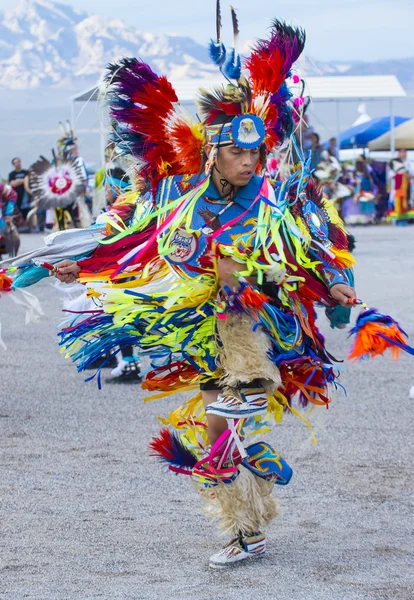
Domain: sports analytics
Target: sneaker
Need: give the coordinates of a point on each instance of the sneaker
(128, 369)
(239, 550)
(251, 402)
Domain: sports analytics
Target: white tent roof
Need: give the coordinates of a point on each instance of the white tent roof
(364, 87)
(320, 89)
(403, 136)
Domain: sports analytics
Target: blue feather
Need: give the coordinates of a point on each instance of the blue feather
(217, 53)
(30, 276)
(232, 68)
(168, 448)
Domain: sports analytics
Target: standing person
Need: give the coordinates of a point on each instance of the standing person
(215, 236)
(316, 150)
(401, 174)
(8, 233)
(18, 179)
(128, 368)
(379, 176)
(68, 149)
(366, 192)
(333, 149)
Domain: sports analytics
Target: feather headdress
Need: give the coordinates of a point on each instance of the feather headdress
(66, 138)
(150, 124)
(262, 90)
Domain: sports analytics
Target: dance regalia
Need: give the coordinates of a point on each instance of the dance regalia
(60, 183)
(401, 191)
(155, 278)
(8, 198)
(9, 238)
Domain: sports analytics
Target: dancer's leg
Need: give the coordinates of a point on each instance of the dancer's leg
(216, 425)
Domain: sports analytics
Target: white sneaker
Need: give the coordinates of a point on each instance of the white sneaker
(251, 402)
(127, 369)
(119, 369)
(239, 550)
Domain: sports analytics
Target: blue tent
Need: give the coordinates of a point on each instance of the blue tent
(360, 135)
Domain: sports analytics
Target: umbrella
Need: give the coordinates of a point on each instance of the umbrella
(360, 135)
(403, 138)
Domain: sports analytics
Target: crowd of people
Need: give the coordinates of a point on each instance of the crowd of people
(365, 190)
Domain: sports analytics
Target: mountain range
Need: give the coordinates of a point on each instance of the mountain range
(47, 44)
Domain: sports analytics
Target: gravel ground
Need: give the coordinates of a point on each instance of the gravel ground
(86, 514)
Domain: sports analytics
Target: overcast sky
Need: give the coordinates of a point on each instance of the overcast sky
(336, 29)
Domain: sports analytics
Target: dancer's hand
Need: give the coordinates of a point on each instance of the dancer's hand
(67, 271)
(228, 270)
(342, 293)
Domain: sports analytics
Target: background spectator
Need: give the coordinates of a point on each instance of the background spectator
(317, 150)
(333, 149)
(18, 181)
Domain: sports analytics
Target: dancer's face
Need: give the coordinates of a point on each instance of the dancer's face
(235, 165)
(110, 198)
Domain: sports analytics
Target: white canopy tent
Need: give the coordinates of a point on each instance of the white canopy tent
(403, 138)
(321, 89)
(355, 88)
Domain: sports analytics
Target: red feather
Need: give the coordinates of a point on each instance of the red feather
(272, 59)
(188, 147)
(143, 105)
(162, 446)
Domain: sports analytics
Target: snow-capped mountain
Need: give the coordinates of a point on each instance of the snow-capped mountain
(44, 43)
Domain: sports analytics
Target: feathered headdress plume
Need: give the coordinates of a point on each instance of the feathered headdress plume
(217, 49)
(147, 125)
(150, 125)
(66, 138)
(232, 68)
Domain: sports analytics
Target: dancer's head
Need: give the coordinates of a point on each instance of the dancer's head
(116, 182)
(234, 164)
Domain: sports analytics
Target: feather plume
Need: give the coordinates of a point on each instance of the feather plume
(141, 103)
(269, 65)
(217, 53)
(227, 100)
(147, 125)
(217, 49)
(271, 60)
(218, 21)
(235, 24)
(188, 139)
(56, 184)
(169, 449)
(232, 67)
(375, 333)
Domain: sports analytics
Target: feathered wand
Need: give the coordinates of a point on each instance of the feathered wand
(375, 333)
